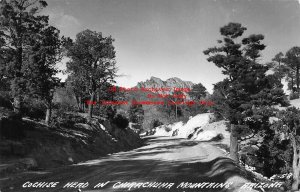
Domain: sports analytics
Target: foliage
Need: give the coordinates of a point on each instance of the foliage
(62, 119)
(136, 113)
(110, 112)
(62, 95)
(121, 121)
(219, 97)
(289, 126)
(45, 53)
(273, 157)
(5, 100)
(92, 62)
(247, 92)
(76, 85)
(292, 62)
(288, 66)
(294, 95)
(20, 27)
(10, 127)
(34, 108)
(156, 123)
(198, 91)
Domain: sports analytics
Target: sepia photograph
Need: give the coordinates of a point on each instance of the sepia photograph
(149, 95)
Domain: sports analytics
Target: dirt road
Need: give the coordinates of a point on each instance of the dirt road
(164, 164)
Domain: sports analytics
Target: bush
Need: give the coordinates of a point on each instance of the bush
(105, 111)
(4, 100)
(272, 157)
(156, 123)
(12, 127)
(34, 109)
(120, 121)
(168, 129)
(218, 137)
(61, 119)
(294, 95)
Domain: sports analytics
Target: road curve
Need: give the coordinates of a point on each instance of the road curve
(164, 164)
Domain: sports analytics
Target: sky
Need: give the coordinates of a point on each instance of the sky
(166, 38)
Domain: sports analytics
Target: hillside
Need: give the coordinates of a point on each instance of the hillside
(30, 145)
(199, 127)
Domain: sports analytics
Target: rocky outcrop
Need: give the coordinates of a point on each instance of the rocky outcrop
(174, 82)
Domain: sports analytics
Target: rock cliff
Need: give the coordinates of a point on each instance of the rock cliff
(174, 82)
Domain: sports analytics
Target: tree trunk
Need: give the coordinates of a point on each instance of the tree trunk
(296, 182)
(90, 110)
(17, 105)
(176, 111)
(48, 114)
(78, 101)
(83, 105)
(297, 78)
(16, 82)
(234, 155)
(292, 85)
(296, 165)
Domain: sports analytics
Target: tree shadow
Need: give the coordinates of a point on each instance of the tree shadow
(217, 170)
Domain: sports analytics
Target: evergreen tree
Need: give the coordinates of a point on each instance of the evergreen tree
(289, 125)
(20, 25)
(76, 84)
(198, 91)
(41, 70)
(250, 93)
(278, 66)
(219, 97)
(93, 60)
(136, 113)
(292, 62)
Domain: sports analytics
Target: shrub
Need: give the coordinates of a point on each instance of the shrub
(34, 109)
(294, 95)
(218, 137)
(4, 100)
(61, 119)
(12, 127)
(168, 129)
(156, 123)
(120, 121)
(107, 111)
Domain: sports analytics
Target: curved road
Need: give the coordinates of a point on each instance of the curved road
(164, 164)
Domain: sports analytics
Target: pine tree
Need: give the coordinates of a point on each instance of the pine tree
(76, 84)
(20, 24)
(292, 62)
(136, 113)
(250, 93)
(198, 91)
(41, 69)
(289, 125)
(92, 58)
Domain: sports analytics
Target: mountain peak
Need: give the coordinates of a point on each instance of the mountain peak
(155, 79)
(171, 83)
